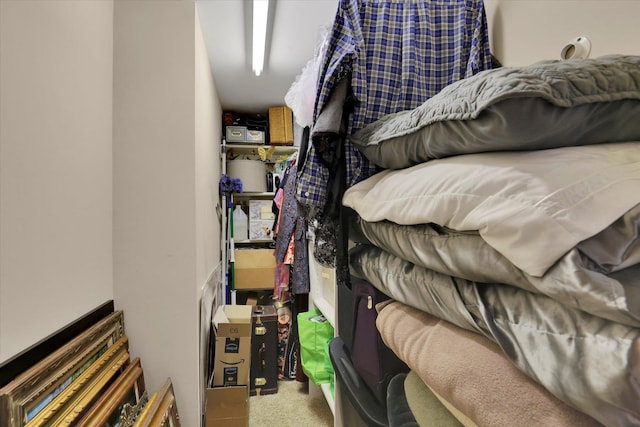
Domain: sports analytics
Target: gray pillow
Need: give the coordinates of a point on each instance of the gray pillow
(549, 104)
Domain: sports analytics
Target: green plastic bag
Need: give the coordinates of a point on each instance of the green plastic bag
(328, 366)
(314, 332)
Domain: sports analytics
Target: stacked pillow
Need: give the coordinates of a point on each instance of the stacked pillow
(549, 104)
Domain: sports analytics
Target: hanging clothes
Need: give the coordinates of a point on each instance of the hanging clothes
(291, 235)
(393, 55)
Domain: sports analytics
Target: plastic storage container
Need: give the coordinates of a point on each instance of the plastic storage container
(252, 173)
(240, 224)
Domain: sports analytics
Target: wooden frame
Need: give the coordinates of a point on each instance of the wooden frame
(69, 405)
(27, 358)
(162, 410)
(122, 403)
(27, 396)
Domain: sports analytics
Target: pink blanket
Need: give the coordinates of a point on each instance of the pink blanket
(471, 373)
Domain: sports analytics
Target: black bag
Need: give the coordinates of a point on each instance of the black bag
(376, 363)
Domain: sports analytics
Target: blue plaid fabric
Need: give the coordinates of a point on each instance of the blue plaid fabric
(398, 54)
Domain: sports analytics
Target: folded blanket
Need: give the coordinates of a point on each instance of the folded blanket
(549, 104)
(471, 373)
(587, 362)
(532, 206)
(600, 275)
(427, 408)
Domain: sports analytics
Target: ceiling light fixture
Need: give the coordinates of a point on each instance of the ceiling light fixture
(260, 16)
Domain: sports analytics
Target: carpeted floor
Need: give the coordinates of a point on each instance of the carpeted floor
(291, 406)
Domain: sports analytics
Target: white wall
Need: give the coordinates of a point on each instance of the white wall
(164, 226)
(109, 136)
(208, 128)
(55, 165)
(525, 31)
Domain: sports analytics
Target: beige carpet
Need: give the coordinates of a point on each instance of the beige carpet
(291, 406)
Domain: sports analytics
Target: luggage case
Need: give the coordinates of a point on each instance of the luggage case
(376, 363)
(264, 351)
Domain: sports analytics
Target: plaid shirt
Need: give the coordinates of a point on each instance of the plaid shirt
(397, 54)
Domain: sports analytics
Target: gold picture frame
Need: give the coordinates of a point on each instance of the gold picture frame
(162, 409)
(24, 398)
(69, 405)
(122, 403)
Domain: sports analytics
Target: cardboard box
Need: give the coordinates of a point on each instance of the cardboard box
(254, 268)
(227, 406)
(232, 326)
(281, 125)
(260, 230)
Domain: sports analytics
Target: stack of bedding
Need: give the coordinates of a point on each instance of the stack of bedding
(468, 376)
(506, 230)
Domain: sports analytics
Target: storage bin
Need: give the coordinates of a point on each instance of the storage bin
(261, 218)
(252, 173)
(260, 229)
(254, 136)
(261, 210)
(236, 133)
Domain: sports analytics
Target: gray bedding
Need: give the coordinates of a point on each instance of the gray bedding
(533, 207)
(563, 304)
(600, 276)
(545, 105)
(572, 326)
(589, 362)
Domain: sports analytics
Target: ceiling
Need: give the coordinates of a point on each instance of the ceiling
(297, 26)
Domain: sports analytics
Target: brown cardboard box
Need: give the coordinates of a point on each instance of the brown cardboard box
(227, 406)
(281, 125)
(254, 268)
(232, 326)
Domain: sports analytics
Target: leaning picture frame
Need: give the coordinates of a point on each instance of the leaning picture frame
(84, 390)
(24, 398)
(162, 409)
(122, 403)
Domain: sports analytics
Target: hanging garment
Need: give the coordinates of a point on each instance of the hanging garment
(395, 55)
(292, 236)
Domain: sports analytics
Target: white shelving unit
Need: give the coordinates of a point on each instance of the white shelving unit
(270, 154)
(322, 287)
(322, 295)
(254, 149)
